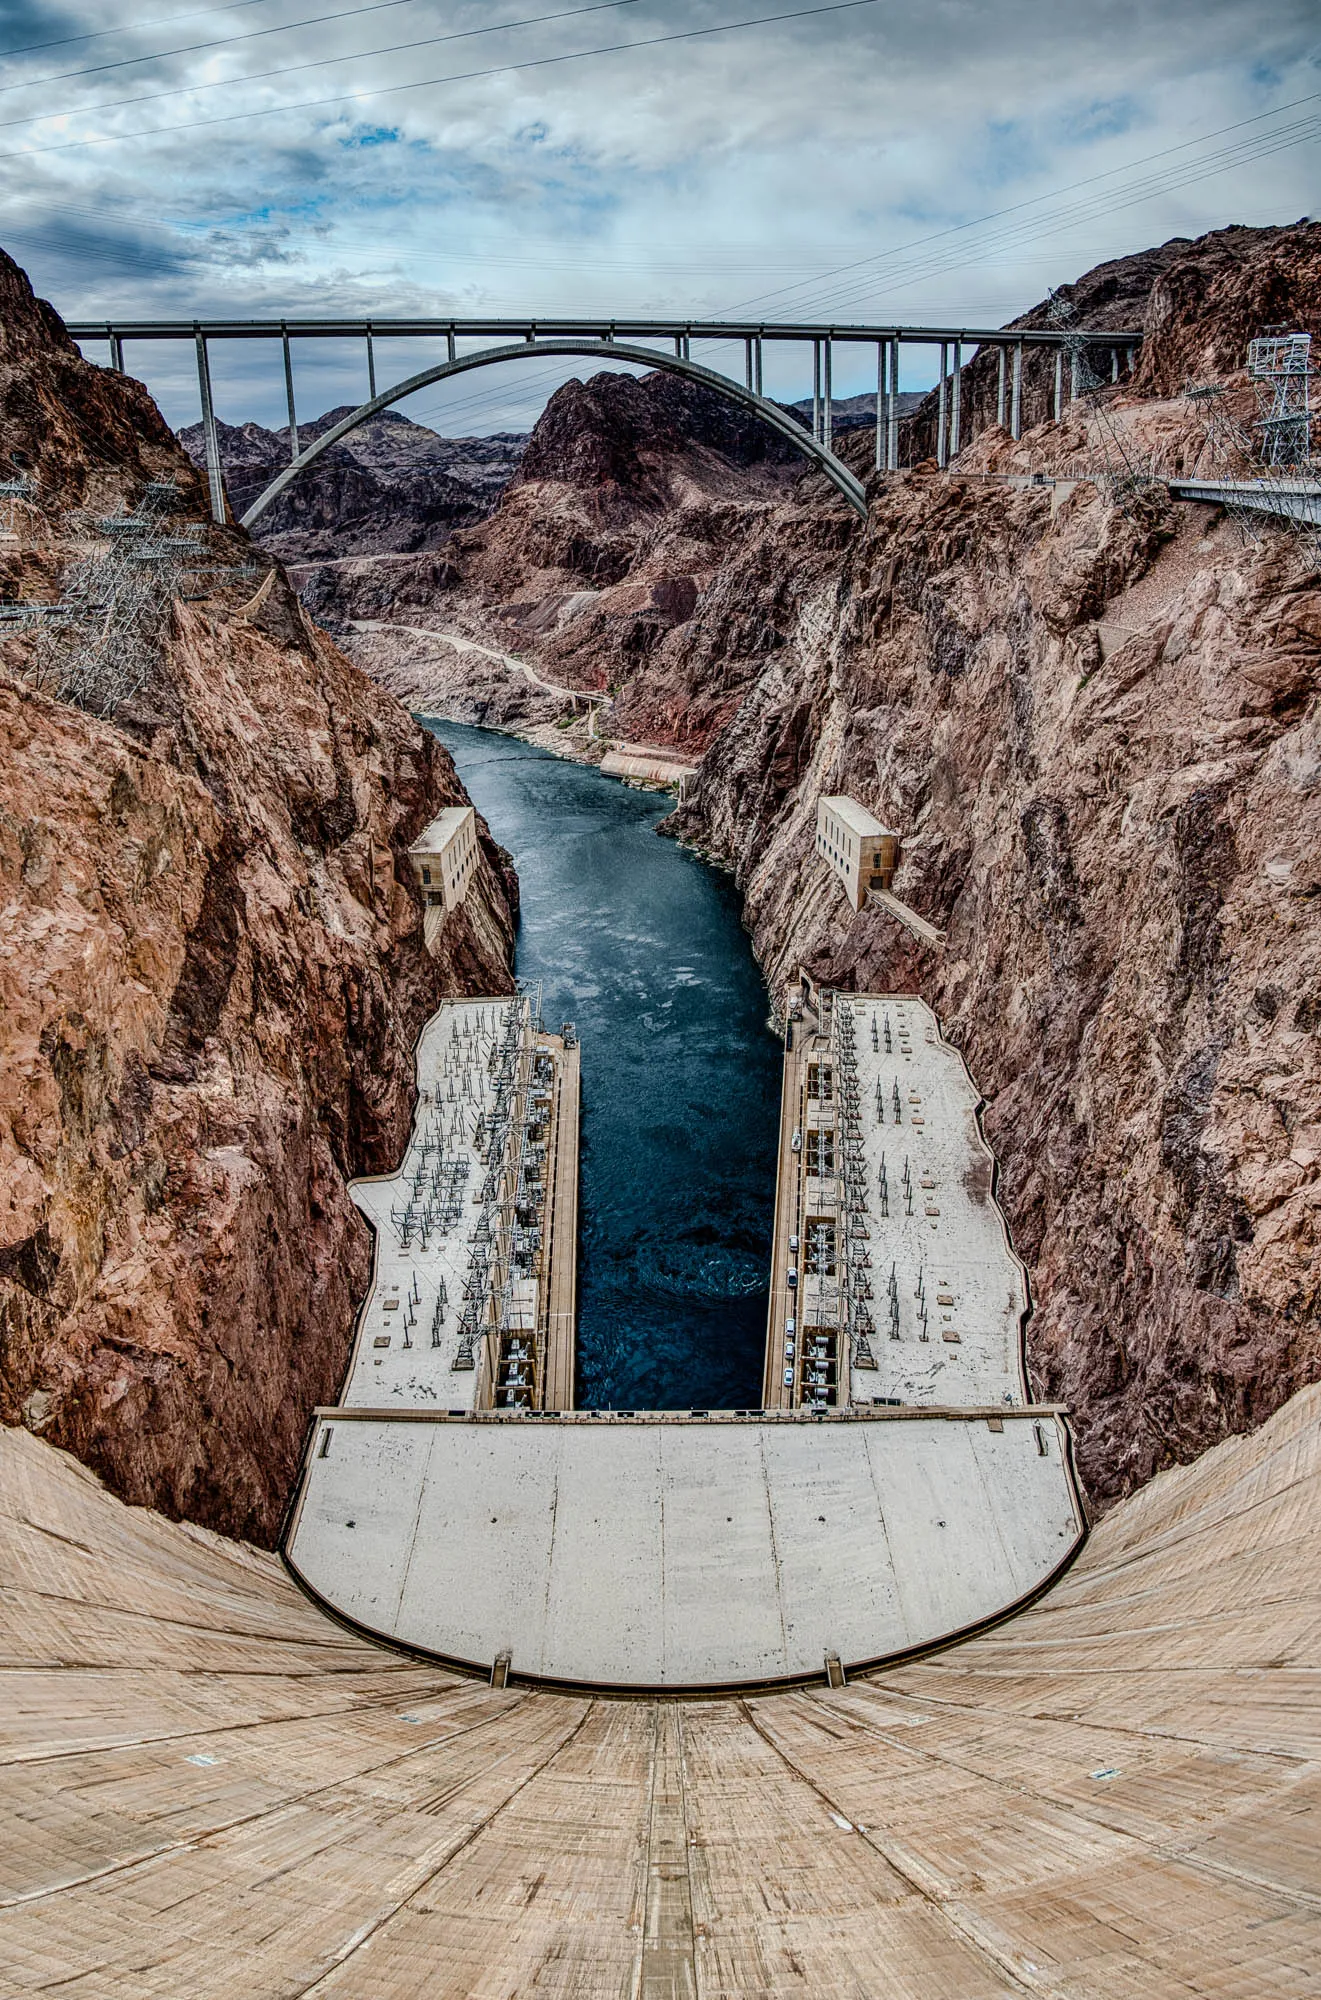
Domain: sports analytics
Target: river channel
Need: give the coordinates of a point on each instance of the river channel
(639, 943)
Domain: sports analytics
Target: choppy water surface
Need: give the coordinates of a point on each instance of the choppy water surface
(640, 944)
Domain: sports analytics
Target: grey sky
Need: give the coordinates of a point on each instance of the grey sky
(748, 168)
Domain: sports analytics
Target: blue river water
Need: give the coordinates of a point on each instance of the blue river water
(640, 944)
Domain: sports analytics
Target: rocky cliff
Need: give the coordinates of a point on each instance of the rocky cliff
(211, 977)
(1196, 302)
(630, 497)
(1093, 715)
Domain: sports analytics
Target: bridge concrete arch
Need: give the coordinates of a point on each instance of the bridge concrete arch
(839, 475)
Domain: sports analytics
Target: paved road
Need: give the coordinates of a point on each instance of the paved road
(463, 644)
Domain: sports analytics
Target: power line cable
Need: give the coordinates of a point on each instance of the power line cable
(903, 274)
(1115, 200)
(1034, 201)
(130, 27)
(285, 28)
(421, 83)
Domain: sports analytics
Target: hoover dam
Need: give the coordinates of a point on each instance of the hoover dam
(212, 1789)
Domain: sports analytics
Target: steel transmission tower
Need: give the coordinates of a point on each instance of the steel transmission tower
(98, 646)
(1279, 363)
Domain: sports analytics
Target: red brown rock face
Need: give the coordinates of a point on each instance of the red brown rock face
(211, 976)
(1125, 851)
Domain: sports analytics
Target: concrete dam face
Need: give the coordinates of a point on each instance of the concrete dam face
(213, 1790)
(217, 1789)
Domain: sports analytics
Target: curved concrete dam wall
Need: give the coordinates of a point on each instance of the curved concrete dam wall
(214, 1792)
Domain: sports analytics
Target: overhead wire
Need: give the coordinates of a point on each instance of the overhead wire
(856, 297)
(1035, 201)
(286, 28)
(131, 27)
(420, 83)
(872, 301)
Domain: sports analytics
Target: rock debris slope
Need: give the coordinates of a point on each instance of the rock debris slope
(211, 976)
(215, 1793)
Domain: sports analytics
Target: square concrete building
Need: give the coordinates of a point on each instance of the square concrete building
(862, 852)
(444, 856)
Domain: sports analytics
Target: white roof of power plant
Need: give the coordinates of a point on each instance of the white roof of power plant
(442, 829)
(646, 1551)
(672, 1552)
(854, 816)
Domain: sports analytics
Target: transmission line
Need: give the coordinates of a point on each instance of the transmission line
(1052, 223)
(1034, 201)
(130, 27)
(421, 83)
(286, 28)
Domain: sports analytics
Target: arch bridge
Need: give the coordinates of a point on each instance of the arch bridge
(649, 343)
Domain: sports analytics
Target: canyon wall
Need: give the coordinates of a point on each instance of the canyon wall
(1099, 737)
(1093, 715)
(211, 977)
(1094, 718)
(629, 499)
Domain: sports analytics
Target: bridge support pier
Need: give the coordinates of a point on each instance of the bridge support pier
(1059, 383)
(1114, 364)
(816, 390)
(215, 478)
(892, 442)
(942, 407)
(956, 402)
(827, 397)
(371, 365)
(116, 354)
(1000, 389)
(1016, 417)
(289, 393)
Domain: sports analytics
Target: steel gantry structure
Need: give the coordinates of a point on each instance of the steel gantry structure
(632, 340)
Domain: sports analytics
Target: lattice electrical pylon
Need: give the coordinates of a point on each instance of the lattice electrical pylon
(1123, 473)
(1280, 450)
(100, 648)
(1226, 450)
(1279, 364)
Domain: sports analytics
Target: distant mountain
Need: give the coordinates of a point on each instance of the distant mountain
(854, 413)
(390, 487)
